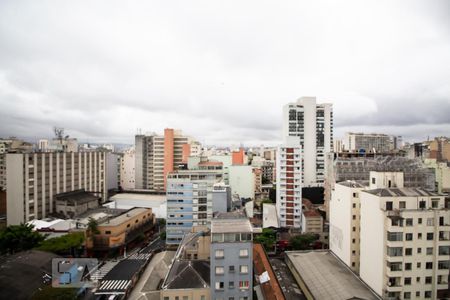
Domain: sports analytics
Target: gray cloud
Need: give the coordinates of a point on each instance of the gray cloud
(221, 71)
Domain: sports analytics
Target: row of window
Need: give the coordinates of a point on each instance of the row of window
(243, 269)
(220, 285)
(221, 254)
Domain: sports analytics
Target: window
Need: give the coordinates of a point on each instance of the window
(409, 236)
(418, 265)
(407, 295)
(418, 294)
(429, 236)
(107, 232)
(373, 180)
(394, 251)
(419, 220)
(419, 236)
(354, 217)
(354, 205)
(166, 298)
(185, 297)
(427, 294)
(231, 285)
(202, 297)
(407, 280)
(243, 284)
(402, 205)
(409, 222)
(243, 253)
(430, 222)
(419, 250)
(394, 236)
(355, 195)
(429, 265)
(434, 203)
(219, 270)
(354, 228)
(408, 266)
(219, 253)
(219, 285)
(408, 251)
(444, 264)
(430, 251)
(388, 205)
(243, 269)
(231, 269)
(353, 241)
(418, 279)
(428, 280)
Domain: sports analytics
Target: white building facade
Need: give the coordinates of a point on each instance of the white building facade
(312, 126)
(127, 169)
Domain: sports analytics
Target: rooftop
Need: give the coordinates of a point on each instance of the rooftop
(271, 289)
(185, 274)
(124, 217)
(231, 225)
(401, 192)
(351, 184)
(326, 277)
(311, 213)
(77, 196)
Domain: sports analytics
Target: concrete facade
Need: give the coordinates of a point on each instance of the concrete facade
(34, 179)
(312, 126)
(242, 181)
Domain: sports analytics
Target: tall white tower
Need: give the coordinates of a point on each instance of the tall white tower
(312, 126)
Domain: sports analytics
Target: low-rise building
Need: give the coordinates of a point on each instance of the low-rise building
(74, 203)
(113, 234)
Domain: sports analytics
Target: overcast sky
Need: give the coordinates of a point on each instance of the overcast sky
(222, 70)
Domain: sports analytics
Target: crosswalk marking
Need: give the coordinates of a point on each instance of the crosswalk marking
(100, 273)
(141, 256)
(115, 285)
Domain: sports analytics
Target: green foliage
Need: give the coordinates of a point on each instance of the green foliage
(162, 235)
(266, 201)
(267, 238)
(162, 222)
(49, 292)
(16, 238)
(302, 242)
(93, 226)
(63, 244)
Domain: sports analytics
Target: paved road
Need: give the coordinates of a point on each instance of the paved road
(288, 284)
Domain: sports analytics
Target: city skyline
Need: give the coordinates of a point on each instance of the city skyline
(221, 72)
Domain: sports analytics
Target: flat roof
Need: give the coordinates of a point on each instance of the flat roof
(402, 192)
(231, 225)
(136, 196)
(124, 217)
(326, 277)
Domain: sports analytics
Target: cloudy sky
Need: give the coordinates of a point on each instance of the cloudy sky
(222, 70)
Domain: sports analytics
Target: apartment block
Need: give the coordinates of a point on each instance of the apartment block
(345, 222)
(312, 126)
(33, 180)
(368, 142)
(189, 199)
(289, 185)
(127, 169)
(157, 155)
(231, 258)
(404, 240)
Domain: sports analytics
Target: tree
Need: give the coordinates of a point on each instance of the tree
(93, 226)
(267, 238)
(303, 241)
(162, 235)
(63, 244)
(16, 238)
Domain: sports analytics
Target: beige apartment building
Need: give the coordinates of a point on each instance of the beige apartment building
(33, 180)
(117, 232)
(158, 155)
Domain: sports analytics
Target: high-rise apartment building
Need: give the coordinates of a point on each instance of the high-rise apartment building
(231, 258)
(33, 180)
(289, 185)
(127, 169)
(368, 142)
(156, 156)
(312, 126)
(403, 239)
(190, 199)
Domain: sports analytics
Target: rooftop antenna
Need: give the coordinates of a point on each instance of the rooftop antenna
(59, 133)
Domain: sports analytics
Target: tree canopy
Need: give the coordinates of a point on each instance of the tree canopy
(63, 244)
(302, 242)
(267, 238)
(21, 237)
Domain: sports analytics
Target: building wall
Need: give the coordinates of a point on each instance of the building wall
(231, 258)
(127, 170)
(312, 125)
(242, 181)
(369, 142)
(191, 294)
(44, 175)
(289, 186)
(189, 201)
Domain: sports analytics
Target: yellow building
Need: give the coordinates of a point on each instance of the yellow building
(117, 232)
